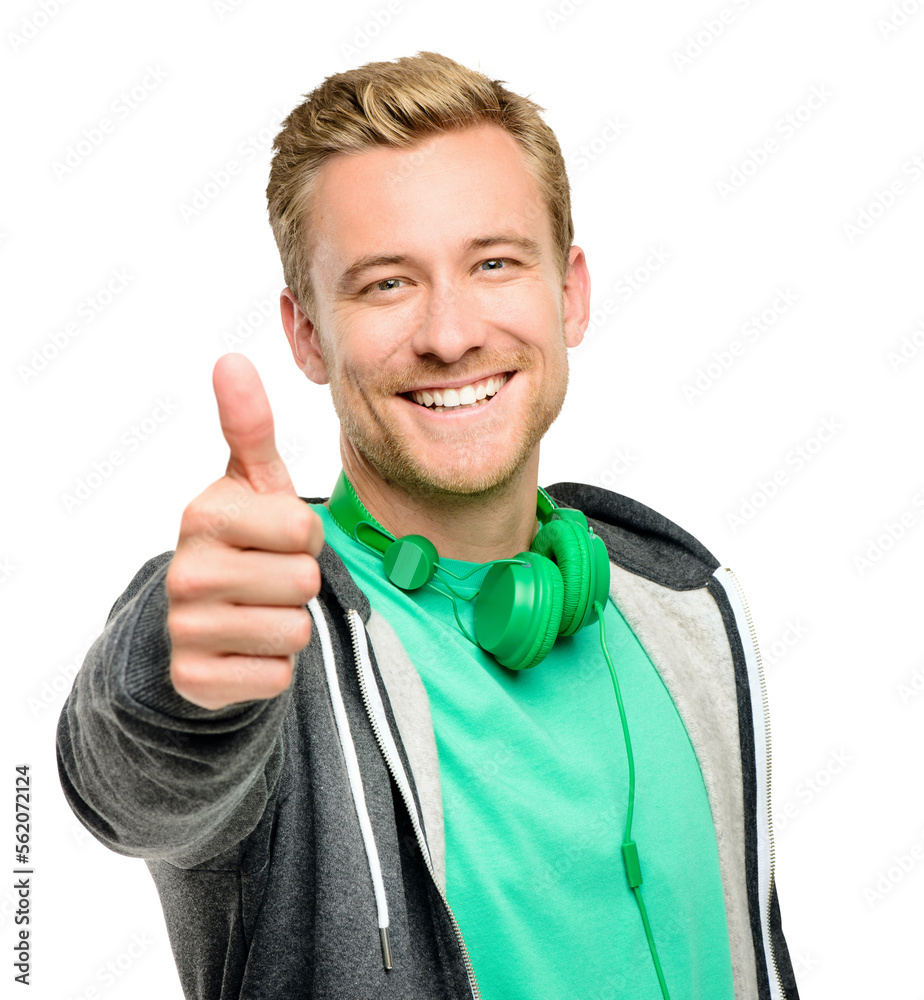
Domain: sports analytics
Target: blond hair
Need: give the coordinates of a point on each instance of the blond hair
(400, 104)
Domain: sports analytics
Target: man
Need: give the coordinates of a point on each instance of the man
(562, 794)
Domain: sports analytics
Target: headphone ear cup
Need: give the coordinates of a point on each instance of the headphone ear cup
(518, 611)
(410, 561)
(567, 544)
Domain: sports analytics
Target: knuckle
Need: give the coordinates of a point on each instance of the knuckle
(262, 676)
(277, 674)
(195, 518)
(296, 524)
(278, 671)
(211, 514)
(301, 633)
(179, 580)
(292, 632)
(307, 578)
(189, 578)
(191, 680)
(183, 627)
(316, 540)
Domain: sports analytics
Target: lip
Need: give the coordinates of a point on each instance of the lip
(457, 384)
(459, 411)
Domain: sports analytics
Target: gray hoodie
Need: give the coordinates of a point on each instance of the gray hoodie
(297, 842)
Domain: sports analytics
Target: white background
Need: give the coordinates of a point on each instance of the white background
(209, 83)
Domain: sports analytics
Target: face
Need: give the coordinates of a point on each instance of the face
(442, 324)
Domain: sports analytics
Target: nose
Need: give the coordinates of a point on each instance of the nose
(450, 326)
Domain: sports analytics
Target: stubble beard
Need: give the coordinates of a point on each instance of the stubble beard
(471, 474)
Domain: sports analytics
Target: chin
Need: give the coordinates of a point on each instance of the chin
(462, 479)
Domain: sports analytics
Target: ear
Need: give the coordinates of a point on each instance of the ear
(303, 338)
(576, 297)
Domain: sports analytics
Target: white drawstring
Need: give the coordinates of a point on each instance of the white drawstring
(356, 784)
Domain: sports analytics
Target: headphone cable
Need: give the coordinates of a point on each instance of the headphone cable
(629, 849)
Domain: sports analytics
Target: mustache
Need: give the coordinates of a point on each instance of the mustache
(425, 372)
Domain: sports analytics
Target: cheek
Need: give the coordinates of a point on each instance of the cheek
(526, 307)
(365, 357)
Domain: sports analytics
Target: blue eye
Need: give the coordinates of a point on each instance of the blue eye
(493, 260)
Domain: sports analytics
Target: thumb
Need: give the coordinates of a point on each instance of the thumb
(247, 424)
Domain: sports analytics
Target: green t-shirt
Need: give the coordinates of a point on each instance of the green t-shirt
(534, 779)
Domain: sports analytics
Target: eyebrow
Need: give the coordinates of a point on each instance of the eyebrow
(529, 247)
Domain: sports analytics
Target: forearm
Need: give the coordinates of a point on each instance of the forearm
(148, 772)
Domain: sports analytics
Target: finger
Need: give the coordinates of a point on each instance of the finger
(235, 516)
(250, 577)
(247, 424)
(245, 630)
(276, 523)
(214, 682)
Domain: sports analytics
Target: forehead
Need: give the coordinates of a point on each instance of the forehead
(428, 198)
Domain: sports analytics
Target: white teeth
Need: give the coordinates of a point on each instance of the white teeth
(467, 395)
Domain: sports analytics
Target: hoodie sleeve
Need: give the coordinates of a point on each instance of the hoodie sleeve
(147, 772)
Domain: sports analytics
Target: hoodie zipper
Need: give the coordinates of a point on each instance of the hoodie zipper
(360, 653)
(752, 633)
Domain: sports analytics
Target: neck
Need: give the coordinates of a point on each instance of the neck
(472, 528)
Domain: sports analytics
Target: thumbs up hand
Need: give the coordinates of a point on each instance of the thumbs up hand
(245, 563)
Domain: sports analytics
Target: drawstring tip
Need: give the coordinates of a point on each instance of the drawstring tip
(386, 947)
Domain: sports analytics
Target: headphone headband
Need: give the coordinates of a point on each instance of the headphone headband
(351, 515)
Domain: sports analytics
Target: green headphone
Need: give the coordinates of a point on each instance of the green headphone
(524, 603)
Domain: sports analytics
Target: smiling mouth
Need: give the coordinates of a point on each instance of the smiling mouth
(462, 397)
